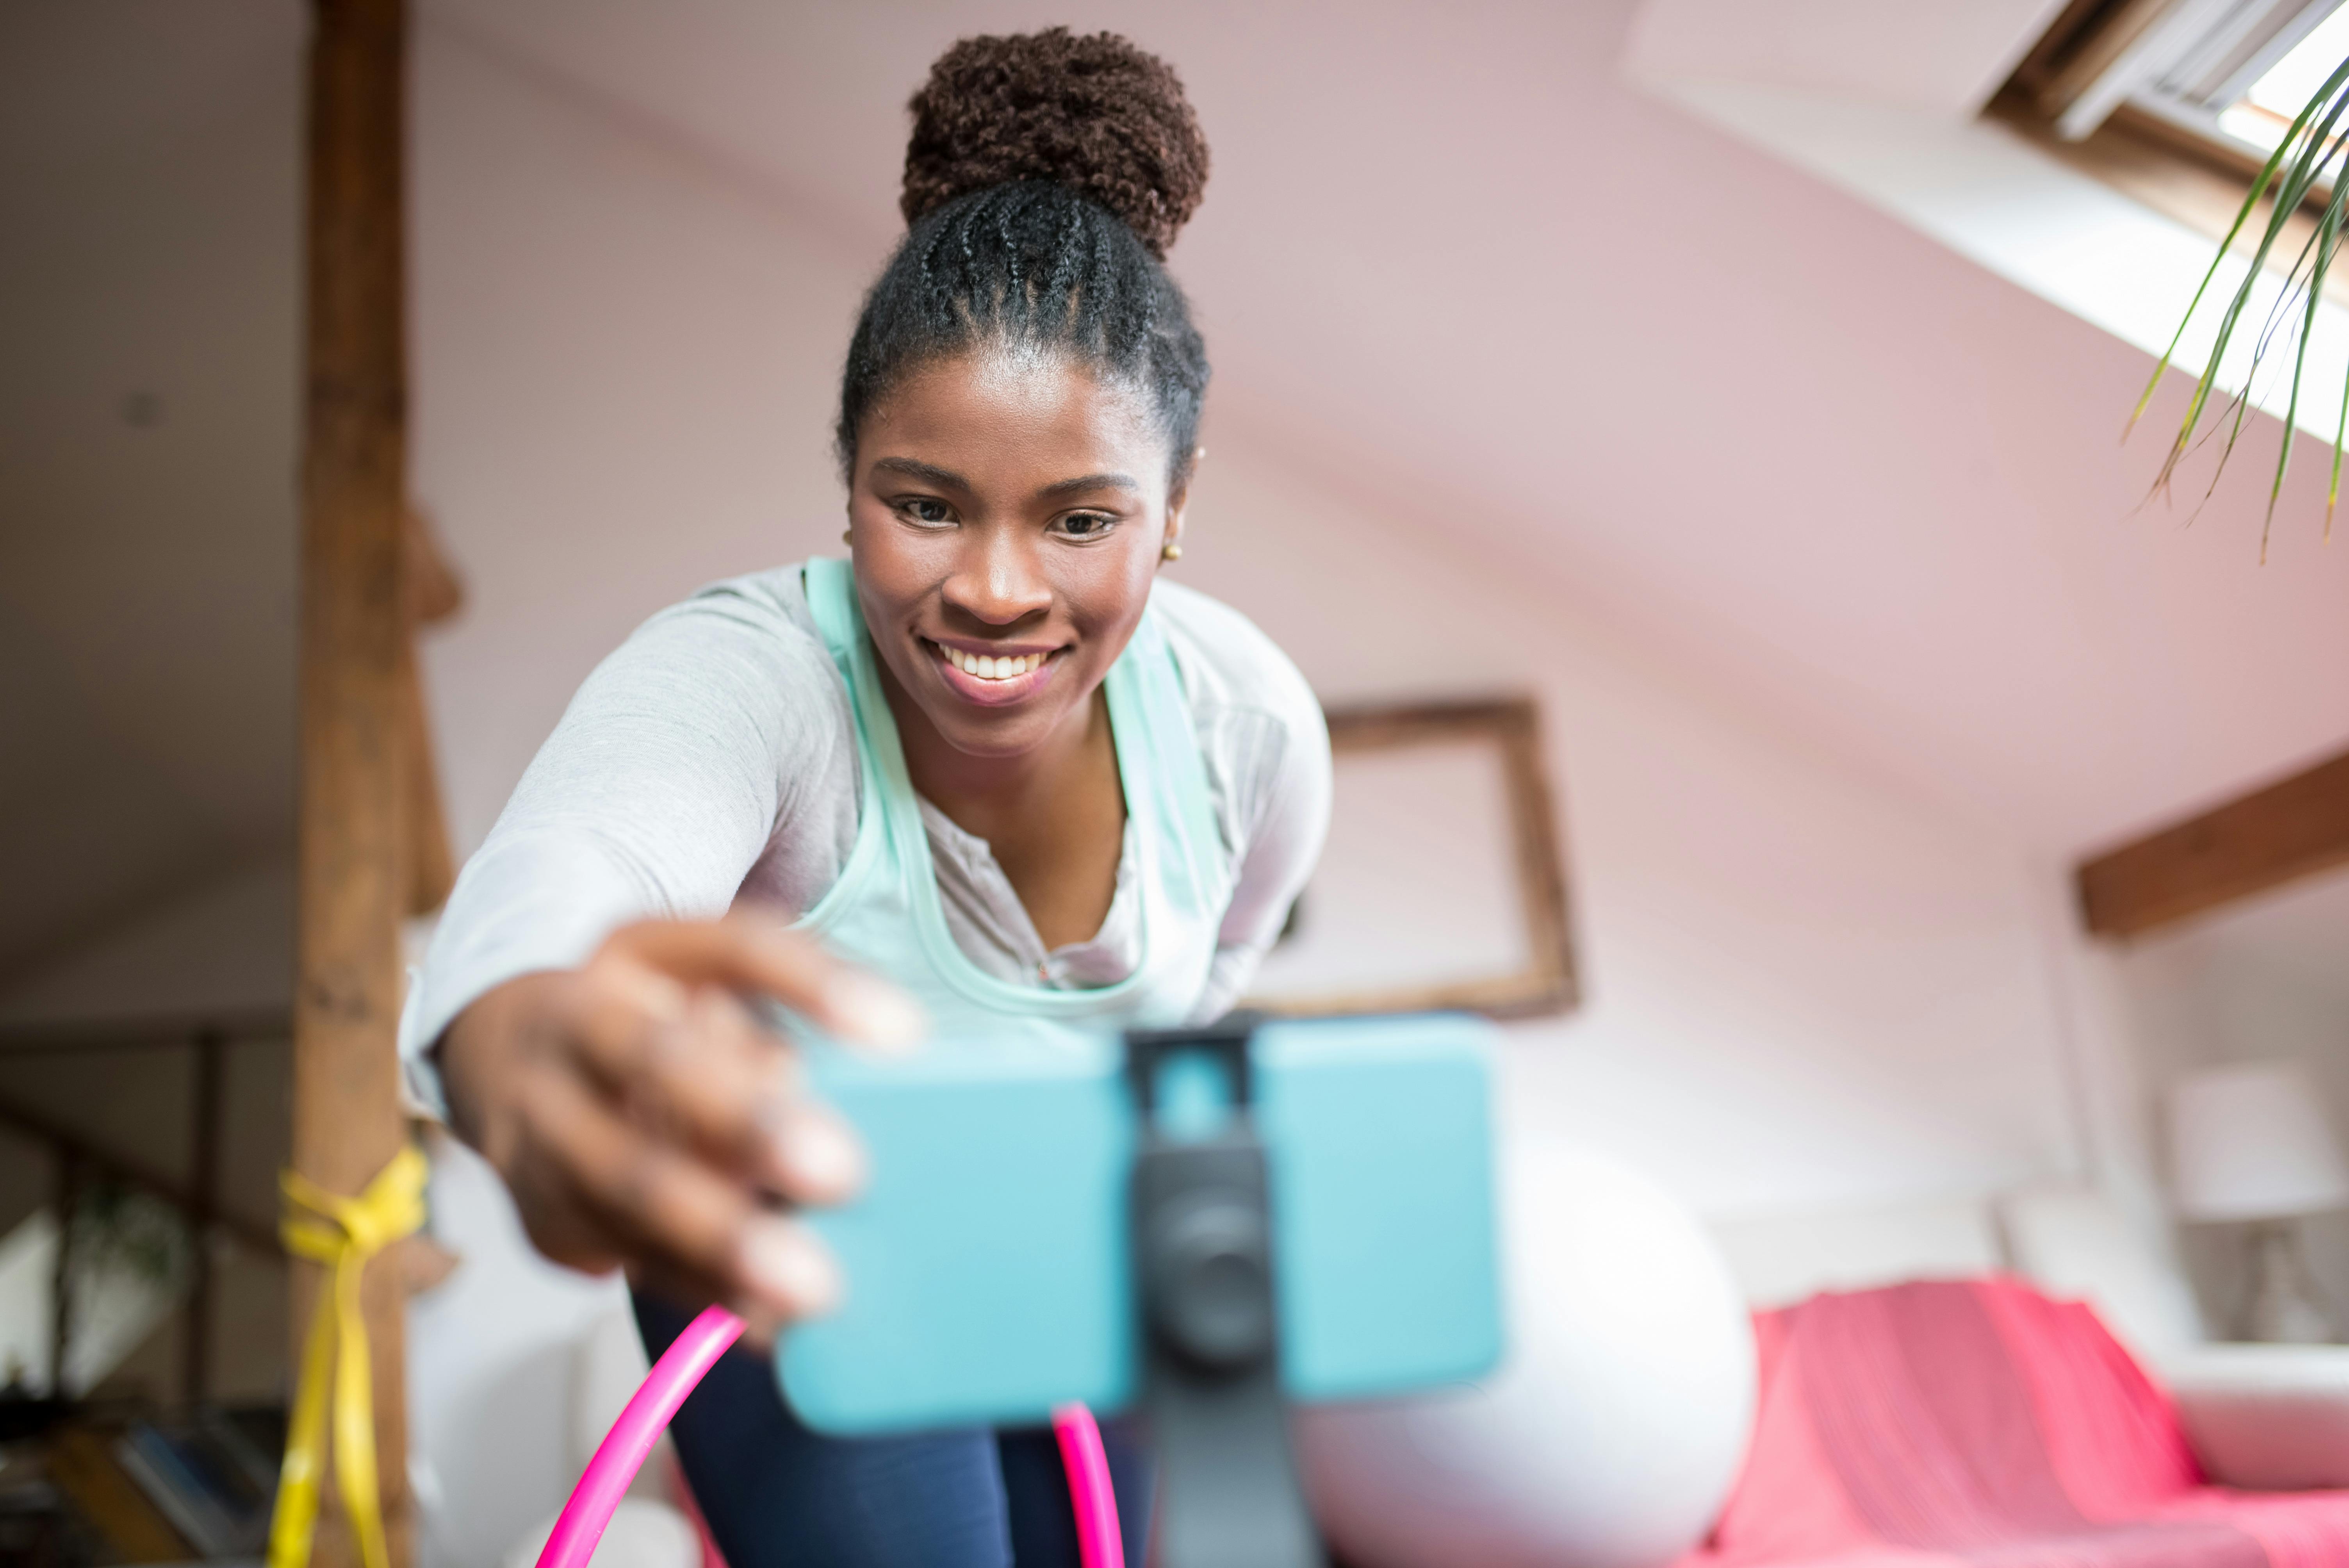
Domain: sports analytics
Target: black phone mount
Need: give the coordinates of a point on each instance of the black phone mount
(1230, 1495)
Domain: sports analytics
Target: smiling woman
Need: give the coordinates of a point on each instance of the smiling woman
(991, 775)
(1004, 554)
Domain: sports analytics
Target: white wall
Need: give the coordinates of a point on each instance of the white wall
(1802, 987)
(623, 360)
(1805, 985)
(2264, 979)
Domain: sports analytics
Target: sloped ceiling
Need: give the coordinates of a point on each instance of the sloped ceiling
(1945, 57)
(149, 191)
(1454, 267)
(1451, 266)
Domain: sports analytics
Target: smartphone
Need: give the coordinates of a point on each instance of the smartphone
(988, 1276)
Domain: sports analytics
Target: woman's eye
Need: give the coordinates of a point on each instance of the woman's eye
(1087, 524)
(926, 509)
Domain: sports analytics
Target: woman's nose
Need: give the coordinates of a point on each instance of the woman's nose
(998, 580)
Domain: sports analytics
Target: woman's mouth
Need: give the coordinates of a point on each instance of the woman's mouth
(997, 677)
(992, 667)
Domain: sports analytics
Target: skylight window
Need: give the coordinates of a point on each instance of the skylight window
(2266, 108)
(2178, 104)
(2233, 73)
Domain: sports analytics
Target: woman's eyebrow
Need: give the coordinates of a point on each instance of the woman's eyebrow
(1088, 482)
(945, 478)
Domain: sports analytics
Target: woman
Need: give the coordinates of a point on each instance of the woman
(1008, 777)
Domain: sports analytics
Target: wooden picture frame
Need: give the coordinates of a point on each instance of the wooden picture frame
(1443, 844)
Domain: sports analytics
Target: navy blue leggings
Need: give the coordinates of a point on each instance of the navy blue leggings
(776, 1495)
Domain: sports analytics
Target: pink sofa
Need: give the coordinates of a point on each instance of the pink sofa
(1981, 1422)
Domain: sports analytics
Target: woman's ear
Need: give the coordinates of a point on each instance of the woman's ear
(1170, 547)
(1180, 499)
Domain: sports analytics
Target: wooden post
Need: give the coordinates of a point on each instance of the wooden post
(354, 868)
(203, 1204)
(69, 1201)
(430, 592)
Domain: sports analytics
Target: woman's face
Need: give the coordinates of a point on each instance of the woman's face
(1006, 513)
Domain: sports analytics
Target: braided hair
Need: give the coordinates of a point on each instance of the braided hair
(1047, 175)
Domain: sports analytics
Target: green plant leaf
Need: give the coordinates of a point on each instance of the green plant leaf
(2312, 153)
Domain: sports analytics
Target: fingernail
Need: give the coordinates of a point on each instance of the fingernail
(823, 1157)
(875, 1012)
(790, 1267)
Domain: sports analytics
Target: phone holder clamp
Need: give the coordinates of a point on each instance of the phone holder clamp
(1204, 1278)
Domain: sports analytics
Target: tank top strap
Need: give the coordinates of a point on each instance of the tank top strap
(886, 911)
(1169, 748)
(830, 589)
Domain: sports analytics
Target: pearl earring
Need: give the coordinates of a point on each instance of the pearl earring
(1170, 550)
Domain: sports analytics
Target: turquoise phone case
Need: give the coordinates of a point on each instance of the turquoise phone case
(987, 1259)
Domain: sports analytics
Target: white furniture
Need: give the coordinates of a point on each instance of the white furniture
(2250, 1142)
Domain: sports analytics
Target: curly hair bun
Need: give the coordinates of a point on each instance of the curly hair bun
(1093, 113)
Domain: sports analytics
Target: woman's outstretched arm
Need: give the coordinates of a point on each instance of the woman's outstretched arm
(580, 1015)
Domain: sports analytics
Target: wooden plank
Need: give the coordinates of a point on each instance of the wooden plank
(2083, 46)
(140, 1032)
(61, 1269)
(90, 1161)
(82, 1463)
(430, 592)
(203, 1204)
(430, 867)
(353, 870)
(2269, 837)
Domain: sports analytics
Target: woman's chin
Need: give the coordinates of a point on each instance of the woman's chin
(994, 733)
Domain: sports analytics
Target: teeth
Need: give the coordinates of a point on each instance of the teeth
(993, 669)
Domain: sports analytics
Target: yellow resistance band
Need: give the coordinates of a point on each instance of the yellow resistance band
(342, 1233)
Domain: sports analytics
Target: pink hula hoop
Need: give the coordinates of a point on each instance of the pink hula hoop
(622, 1454)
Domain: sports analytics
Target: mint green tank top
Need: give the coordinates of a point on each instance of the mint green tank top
(884, 912)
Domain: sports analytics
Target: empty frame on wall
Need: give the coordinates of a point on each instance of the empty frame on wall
(1442, 885)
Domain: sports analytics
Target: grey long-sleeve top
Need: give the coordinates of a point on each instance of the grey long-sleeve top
(710, 761)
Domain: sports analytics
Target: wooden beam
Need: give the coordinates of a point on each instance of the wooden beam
(147, 1032)
(430, 585)
(2269, 837)
(430, 594)
(430, 867)
(81, 1462)
(353, 873)
(61, 1302)
(203, 1205)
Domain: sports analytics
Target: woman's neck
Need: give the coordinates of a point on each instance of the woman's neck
(1054, 817)
(997, 792)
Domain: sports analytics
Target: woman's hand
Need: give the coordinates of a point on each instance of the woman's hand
(641, 1116)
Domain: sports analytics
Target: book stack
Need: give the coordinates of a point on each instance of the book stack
(207, 1479)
